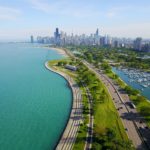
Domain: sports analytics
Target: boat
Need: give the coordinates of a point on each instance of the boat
(144, 85)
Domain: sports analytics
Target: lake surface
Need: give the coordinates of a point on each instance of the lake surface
(144, 91)
(34, 102)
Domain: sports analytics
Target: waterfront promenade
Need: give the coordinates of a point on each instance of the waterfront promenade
(69, 135)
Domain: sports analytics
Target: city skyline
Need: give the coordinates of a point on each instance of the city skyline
(19, 20)
(61, 38)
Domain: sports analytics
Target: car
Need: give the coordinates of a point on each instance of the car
(132, 106)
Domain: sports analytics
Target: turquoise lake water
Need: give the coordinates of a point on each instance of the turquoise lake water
(34, 102)
(145, 92)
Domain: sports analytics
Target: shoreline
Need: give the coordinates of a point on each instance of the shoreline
(147, 98)
(58, 50)
(71, 129)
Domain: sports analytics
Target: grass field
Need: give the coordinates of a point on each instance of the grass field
(106, 116)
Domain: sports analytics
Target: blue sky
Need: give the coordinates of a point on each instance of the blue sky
(122, 18)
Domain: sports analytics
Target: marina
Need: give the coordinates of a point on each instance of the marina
(136, 78)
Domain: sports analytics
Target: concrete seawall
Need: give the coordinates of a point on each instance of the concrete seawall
(69, 135)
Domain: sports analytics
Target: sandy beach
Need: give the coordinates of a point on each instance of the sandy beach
(60, 51)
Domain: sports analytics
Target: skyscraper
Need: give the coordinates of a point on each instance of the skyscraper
(32, 39)
(138, 44)
(97, 32)
(97, 37)
(57, 37)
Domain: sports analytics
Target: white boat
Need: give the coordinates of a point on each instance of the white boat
(144, 85)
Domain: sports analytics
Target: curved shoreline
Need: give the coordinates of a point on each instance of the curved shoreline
(69, 134)
(58, 50)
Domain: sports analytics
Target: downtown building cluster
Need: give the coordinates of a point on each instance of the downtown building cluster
(62, 39)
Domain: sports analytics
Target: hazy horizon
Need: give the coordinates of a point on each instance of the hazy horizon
(20, 19)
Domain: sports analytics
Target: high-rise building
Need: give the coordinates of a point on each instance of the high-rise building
(40, 39)
(62, 38)
(138, 44)
(57, 37)
(109, 40)
(116, 43)
(102, 41)
(97, 32)
(32, 39)
(97, 38)
(146, 47)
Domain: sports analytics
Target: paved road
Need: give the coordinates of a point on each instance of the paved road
(133, 116)
(70, 133)
(130, 124)
(89, 137)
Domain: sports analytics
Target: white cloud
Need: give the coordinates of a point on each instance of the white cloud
(116, 11)
(8, 13)
(42, 6)
(64, 7)
(111, 14)
(129, 30)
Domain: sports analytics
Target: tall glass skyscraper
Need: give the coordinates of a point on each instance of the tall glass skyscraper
(57, 37)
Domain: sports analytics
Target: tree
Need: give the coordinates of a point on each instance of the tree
(115, 76)
(111, 134)
(60, 63)
(131, 91)
(106, 67)
(145, 110)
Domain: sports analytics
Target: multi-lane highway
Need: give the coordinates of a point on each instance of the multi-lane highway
(135, 128)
